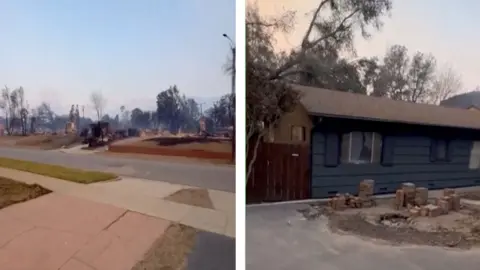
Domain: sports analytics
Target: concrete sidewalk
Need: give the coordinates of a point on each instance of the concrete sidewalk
(63, 232)
(146, 197)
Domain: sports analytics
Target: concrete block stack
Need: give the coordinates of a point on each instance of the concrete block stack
(364, 198)
(450, 200)
(366, 189)
(337, 203)
(409, 191)
(409, 196)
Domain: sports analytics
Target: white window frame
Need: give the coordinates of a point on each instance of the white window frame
(374, 150)
(474, 162)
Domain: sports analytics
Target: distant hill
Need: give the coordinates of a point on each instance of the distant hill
(463, 101)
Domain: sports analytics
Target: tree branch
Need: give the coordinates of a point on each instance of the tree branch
(305, 47)
(312, 23)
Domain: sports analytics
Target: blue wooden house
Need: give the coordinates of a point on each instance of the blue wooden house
(353, 137)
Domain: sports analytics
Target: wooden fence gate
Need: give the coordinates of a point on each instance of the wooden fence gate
(280, 173)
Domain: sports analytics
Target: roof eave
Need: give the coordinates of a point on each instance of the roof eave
(386, 121)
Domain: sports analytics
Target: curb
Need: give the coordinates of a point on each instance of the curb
(118, 178)
(308, 201)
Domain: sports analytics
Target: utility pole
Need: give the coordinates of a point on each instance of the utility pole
(233, 49)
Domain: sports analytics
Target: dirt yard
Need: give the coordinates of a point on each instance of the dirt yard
(44, 142)
(192, 196)
(12, 192)
(170, 251)
(475, 196)
(456, 229)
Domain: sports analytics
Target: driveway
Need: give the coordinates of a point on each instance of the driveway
(277, 237)
(198, 175)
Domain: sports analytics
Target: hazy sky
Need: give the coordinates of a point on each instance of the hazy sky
(62, 50)
(450, 30)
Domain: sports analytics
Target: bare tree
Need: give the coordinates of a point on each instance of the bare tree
(99, 103)
(446, 84)
(5, 105)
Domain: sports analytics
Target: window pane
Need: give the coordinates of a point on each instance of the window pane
(475, 156)
(345, 151)
(298, 133)
(366, 152)
(441, 149)
(377, 148)
(361, 147)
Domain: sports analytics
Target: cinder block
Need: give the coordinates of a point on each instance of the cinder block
(399, 199)
(444, 206)
(414, 212)
(366, 188)
(455, 202)
(424, 211)
(340, 203)
(421, 196)
(449, 200)
(409, 191)
(448, 192)
(434, 210)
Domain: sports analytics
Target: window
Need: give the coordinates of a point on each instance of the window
(298, 133)
(475, 156)
(441, 150)
(361, 147)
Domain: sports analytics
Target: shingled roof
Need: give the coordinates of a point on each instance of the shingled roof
(323, 102)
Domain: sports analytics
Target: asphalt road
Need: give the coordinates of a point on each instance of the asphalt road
(278, 238)
(212, 252)
(197, 175)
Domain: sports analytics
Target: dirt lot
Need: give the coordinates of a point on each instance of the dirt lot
(167, 158)
(12, 192)
(220, 146)
(45, 142)
(456, 229)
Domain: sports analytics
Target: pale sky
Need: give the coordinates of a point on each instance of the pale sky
(60, 51)
(450, 30)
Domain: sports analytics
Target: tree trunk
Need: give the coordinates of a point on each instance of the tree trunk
(254, 155)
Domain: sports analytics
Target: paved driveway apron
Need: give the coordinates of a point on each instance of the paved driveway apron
(277, 238)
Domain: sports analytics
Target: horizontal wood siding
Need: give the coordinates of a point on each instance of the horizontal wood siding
(411, 163)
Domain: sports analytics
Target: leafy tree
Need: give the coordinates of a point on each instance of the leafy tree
(332, 25)
(170, 106)
(402, 78)
(140, 119)
(222, 112)
(45, 115)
